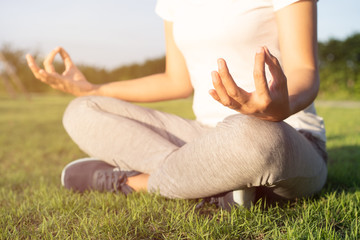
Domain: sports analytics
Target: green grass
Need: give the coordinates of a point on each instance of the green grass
(34, 148)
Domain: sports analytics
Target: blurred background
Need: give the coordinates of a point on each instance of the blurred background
(120, 39)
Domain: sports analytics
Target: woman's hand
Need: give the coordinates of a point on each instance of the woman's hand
(268, 102)
(70, 81)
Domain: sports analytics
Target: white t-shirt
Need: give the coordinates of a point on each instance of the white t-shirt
(205, 30)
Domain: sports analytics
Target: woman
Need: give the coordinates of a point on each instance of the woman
(256, 128)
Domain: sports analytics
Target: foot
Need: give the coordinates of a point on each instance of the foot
(93, 174)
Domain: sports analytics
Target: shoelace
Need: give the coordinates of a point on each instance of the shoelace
(113, 180)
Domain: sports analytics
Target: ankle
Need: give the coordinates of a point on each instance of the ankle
(138, 182)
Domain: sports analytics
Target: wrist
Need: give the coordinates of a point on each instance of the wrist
(94, 89)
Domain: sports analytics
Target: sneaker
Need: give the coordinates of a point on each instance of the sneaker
(93, 174)
(231, 199)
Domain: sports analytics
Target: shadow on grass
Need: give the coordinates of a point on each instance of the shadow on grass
(343, 176)
(336, 137)
(344, 166)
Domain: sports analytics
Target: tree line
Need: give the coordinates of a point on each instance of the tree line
(16, 59)
(339, 64)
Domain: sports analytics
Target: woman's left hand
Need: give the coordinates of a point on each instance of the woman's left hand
(268, 102)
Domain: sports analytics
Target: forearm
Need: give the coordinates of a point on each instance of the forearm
(303, 86)
(151, 88)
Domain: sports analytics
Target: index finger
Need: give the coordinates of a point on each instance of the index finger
(48, 62)
(274, 66)
(229, 84)
(66, 57)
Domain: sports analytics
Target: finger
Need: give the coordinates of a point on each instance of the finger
(46, 77)
(33, 66)
(66, 57)
(43, 76)
(56, 86)
(221, 93)
(48, 62)
(261, 85)
(214, 94)
(274, 66)
(231, 88)
(31, 62)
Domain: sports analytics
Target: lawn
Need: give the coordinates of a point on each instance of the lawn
(34, 148)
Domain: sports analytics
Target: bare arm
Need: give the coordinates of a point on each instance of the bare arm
(173, 83)
(297, 26)
(294, 87)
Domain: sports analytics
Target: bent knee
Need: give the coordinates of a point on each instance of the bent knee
(78, 112)
(85, 112)
(267, 142)
(257, 131)
(73, 110)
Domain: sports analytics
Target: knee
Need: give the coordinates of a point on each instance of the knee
(71, 109)
(83, 113)
(256, 130)
(264, 141)
(75, 112)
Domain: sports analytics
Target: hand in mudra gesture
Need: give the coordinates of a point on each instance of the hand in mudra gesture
(268, 102)
(70, 81)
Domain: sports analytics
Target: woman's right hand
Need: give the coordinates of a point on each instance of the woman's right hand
(70, 81)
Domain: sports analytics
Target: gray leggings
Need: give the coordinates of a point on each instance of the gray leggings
(188, 160)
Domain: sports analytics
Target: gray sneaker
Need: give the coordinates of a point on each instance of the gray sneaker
(93, 174)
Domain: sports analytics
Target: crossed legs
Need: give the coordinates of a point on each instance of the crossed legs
(183, 159)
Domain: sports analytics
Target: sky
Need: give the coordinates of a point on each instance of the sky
(110, 33)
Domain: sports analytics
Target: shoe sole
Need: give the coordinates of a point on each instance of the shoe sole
(72, 163)
(244, 197)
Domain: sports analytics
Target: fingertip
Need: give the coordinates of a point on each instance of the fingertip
(214, 94)
(31, 62)
(222, 67)
(268, 53)
(260, 50)
(65, 56)
(221, 63)
(266, 49)
(28, 58)
(260, 56)
(62, 50)
(215, 77)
